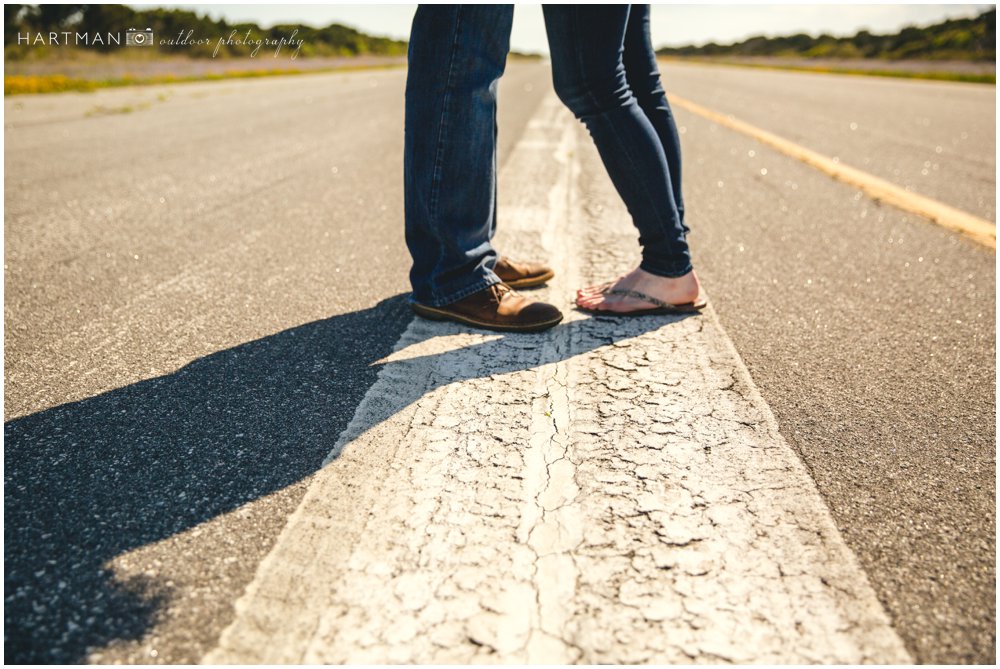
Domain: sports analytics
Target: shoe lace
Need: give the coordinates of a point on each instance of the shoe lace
(500, 291)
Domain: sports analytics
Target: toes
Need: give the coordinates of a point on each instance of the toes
(590, 301)
(595, 298)
(594, 289)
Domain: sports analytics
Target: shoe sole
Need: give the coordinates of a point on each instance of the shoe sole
(676, 310)
(434, 314)
(531, 281)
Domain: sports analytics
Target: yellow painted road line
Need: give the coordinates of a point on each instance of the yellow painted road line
(457, 524)
(976, 228)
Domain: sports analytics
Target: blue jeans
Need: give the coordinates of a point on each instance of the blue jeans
(457, 54)
(604, 69)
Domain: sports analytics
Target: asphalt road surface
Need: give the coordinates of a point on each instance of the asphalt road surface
(935, 139)
(178, 260)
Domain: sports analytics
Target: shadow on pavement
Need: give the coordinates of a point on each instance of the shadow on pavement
(88, 481)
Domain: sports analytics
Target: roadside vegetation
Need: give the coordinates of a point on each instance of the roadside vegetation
(333, 40)
(54, 68)
(954, 50)
(956, 39)
(57, 83)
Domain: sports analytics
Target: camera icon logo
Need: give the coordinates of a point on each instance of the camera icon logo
(135, 37)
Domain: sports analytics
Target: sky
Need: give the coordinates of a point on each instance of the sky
(673, 24)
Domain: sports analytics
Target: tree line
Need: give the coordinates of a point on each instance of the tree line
(333, 40)
(954, 39)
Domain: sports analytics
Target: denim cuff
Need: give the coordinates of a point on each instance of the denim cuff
(456, 290)
(667, 268)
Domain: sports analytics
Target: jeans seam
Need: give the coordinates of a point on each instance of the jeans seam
(611, 126)
(642, 185)
(439, 154)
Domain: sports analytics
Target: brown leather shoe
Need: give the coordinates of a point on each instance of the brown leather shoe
(495, 308)
(522, 274)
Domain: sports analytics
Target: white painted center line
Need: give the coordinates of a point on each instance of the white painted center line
(610, 491)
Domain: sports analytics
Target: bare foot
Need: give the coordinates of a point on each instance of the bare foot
(598, 288)
(680, 290)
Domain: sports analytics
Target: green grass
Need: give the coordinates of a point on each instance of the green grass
(901, 74)
(101, 110)
(57, 83)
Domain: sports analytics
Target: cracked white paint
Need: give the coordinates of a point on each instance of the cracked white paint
(610, 491)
